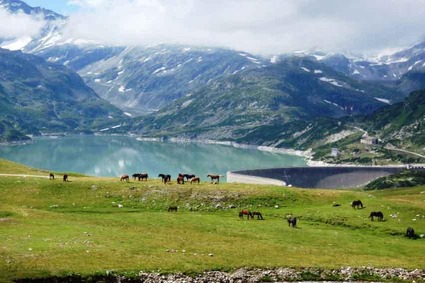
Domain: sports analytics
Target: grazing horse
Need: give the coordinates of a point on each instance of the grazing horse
(259, 216)
(292, 221)
(188, 176)
(165, 178)
(125, 177)
(214, 177)
(410, 232)
(143, 176)
(135, 176)
(247, 213)
(195, 179)
(180, 179)
(377, 214)
(65, 178)
(172, 209)
(51, 176)
(356, 204)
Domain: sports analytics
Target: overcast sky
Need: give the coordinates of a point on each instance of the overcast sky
(258, 26)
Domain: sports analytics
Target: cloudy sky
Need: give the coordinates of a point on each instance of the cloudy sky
(258, 26)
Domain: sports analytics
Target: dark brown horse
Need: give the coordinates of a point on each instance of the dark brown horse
(357, 204)
(377, 214)
(135, 176)
(259, 215)
(124, 177)
(247, 213)
(172, 209)
(292, 221)
(214, 177)
(180, 179)
(65, 178)
(410, 232)
(165, 178)
(51, 176)
(143, 176)
(195, 180)
(188, 176)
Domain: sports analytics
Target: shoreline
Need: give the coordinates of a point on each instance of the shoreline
(307, 154)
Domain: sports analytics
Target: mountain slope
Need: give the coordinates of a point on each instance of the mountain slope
(144, 79)
(294, 89)
(38, 96)
(402, 124)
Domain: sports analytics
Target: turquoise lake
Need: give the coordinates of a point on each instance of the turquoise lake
(116, 155)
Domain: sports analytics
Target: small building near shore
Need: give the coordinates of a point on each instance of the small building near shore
(335, 152)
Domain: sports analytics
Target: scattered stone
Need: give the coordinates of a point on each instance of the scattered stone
(94, 187)
(211, 255)
(276, 206)
(120, 205)
(232, 206)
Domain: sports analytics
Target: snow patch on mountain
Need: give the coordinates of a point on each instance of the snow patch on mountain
(383, 100)
(331, 81)
(17, 44)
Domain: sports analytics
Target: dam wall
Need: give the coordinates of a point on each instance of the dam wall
(326, 177)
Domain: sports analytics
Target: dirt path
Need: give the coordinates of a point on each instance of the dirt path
(24, 176)
(405, 151)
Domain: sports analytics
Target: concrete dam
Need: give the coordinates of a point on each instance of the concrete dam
(326, 177)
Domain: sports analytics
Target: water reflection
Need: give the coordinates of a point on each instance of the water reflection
(112, 156)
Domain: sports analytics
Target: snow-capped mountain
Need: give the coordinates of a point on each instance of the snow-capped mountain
(138, 79)
(385, 68)
(144, 79)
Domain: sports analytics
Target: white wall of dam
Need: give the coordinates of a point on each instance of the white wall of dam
(326, 177)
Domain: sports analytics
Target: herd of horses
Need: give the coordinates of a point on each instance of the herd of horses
(292, 221)
(356, 204)
(166, 178)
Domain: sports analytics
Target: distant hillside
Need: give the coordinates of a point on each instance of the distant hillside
(399, 130)
(294, 89)
(38, 96)
(402, 123)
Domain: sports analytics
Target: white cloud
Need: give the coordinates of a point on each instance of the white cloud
(18, 25)
(258, 26)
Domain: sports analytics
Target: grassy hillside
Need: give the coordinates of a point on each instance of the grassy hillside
(91, 225)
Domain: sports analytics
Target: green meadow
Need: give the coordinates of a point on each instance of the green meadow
(92, 225)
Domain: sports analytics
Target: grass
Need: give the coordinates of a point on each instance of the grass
(50, 228)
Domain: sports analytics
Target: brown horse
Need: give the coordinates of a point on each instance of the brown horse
(195, 179)
(165, 178)
(51, 176)
(172, 209)
(259, 216)
(247, 213)
(214, 177)
(65, 178)
(180, 179)
(124, 177)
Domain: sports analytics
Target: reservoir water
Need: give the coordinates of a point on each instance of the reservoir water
(116, 155)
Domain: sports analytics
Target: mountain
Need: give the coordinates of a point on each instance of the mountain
(293, 89)
(38, 96)
(16, 6)
(384, 69)
(144, 79)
